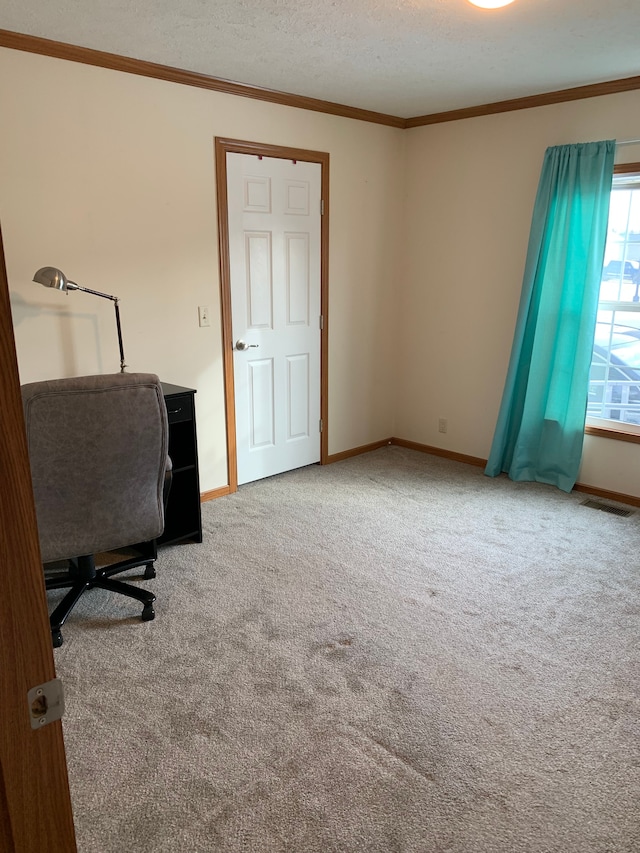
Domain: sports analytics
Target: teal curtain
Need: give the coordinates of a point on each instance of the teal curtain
(540, 428)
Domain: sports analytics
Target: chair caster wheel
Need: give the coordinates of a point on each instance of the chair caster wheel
(148, 613)
(149, 572)
(56, 636)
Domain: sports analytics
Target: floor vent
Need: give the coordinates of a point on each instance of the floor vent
(614, 510)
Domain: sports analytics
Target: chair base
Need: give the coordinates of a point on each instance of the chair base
(83, 575)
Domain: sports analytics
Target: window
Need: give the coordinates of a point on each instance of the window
(614, 380)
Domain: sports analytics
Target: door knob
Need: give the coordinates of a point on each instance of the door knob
(241, 345)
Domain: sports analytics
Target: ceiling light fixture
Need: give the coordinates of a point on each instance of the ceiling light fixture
(490, 4)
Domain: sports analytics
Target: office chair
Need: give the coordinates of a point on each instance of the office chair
(100, 471)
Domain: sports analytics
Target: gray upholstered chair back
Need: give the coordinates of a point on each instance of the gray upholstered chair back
(98, 453)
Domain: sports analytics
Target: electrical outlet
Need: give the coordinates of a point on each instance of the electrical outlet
(203, 315)
(442, 425)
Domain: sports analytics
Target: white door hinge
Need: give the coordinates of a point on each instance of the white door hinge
(321, 207)
(321, 322)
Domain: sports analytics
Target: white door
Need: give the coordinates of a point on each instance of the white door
(274, 251)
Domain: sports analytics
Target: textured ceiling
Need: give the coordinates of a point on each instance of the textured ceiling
(401, 57)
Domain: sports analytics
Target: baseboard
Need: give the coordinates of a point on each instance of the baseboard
(619, 497)
(475, 460)
(356, 451)
(439, 451)
(212, 494)
(607, 495)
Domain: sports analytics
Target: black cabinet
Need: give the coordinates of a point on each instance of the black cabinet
(182, 517)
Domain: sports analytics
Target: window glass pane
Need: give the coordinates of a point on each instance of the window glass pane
(598, 372)
(625, 340)
(596, 395)
(614, 379)
(604, 329)
(619, 215)
(633, 228)
(609, 288)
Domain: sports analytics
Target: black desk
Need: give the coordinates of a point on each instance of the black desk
(182, 517)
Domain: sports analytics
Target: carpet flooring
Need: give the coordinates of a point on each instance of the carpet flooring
(390, 654)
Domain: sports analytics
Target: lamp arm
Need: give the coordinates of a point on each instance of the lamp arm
(122, 364)
(71, 285)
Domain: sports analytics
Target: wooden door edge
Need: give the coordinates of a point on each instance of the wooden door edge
(225, 309)
(34, 785)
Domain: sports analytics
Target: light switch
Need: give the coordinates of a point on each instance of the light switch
(203, 315)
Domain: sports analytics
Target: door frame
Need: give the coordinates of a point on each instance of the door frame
(35, 804)
(238, 146)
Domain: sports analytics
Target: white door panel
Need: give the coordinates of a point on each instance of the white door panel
(274, 247)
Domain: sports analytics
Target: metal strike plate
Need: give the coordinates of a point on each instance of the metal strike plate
(46, 703)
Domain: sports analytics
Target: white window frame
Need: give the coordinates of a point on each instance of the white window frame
(604, 426)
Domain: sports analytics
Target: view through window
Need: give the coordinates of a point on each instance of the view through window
(614, 380)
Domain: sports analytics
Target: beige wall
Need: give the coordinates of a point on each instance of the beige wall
(110, 177)
(470, 190)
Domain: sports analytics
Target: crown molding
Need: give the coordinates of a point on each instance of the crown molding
(114, 62)
(101, 59)
(577, 93)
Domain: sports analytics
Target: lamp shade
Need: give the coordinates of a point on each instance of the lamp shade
(55, 278)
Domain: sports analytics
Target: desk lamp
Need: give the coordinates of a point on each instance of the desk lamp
(52, 277)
